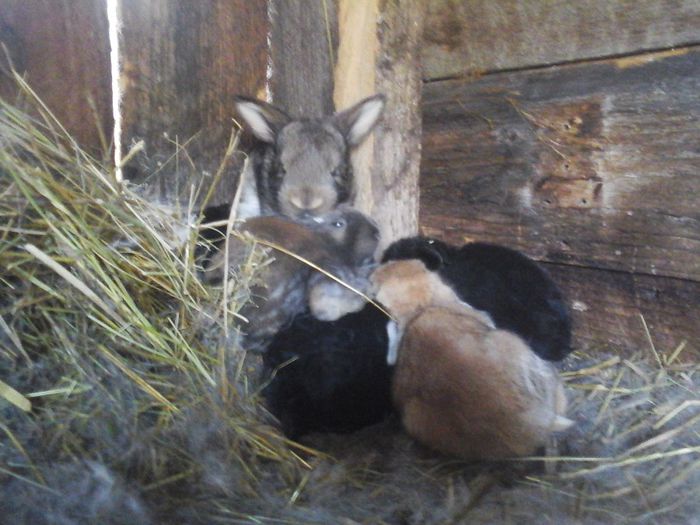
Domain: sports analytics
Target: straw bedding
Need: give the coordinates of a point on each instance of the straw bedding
(143, 409)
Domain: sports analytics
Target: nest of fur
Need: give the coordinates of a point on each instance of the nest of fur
(124, 398)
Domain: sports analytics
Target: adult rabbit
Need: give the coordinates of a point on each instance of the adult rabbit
(301, 167)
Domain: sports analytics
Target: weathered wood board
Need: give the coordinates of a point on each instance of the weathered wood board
(464, 37)
(62, 49)
(182, 64)
(303, 49)
(592, 168)
(379, 52)
(607, 310)
(593, 165)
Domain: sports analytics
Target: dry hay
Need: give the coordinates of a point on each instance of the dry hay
(144, 411)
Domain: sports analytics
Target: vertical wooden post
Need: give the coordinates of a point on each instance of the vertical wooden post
(303, 41)
(379, 43)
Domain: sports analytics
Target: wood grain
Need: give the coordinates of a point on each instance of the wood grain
(62, 49)
(182, 64)
(608, 307)
(593, 164)
(379, 52)
(467, 37)
(304, 41)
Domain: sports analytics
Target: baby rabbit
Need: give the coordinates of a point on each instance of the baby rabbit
(462, 386)
(511, 288)
(301, 167)
(517, 294)
(342, 242)
(329, 376)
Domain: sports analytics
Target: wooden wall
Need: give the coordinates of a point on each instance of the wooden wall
(303, 52)
(182, 63)
(464, 36)
(570, 131)
(62, 49)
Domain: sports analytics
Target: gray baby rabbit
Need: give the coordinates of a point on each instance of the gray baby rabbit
(342, 241)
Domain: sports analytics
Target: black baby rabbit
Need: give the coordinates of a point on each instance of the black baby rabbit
(517, 294)
(329, 376)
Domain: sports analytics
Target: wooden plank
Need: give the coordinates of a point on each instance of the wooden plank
(594, 164)
(467, 37)
(304, 41)
(182, 64)
(62, 49)
(379, 52)
(607, 310)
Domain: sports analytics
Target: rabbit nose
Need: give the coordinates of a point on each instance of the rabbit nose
(305, 199)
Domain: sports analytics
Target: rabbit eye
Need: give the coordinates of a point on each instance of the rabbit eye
(337, 173)
(340, 223)
(277, 169)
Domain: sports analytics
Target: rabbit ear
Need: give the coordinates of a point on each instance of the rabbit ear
(431, 258)
(356, 122)
(263, 119)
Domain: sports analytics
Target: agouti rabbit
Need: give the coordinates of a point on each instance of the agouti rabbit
(342, 242)
(301, 167)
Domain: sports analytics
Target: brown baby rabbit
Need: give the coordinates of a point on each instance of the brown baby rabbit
(462, 386)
